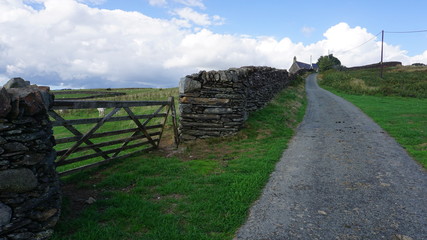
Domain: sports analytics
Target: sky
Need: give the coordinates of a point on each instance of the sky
(154, 43)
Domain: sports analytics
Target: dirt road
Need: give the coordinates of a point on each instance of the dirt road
(342, 177)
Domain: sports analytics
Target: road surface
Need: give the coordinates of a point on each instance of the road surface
(342, 177)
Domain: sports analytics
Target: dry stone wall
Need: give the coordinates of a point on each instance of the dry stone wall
(29, 186)
(217, 103)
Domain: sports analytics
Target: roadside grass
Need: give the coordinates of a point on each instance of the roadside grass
(404, 118)
(405, 81)
(203, 190)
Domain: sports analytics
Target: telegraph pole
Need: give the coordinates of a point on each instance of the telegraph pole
(382, 53)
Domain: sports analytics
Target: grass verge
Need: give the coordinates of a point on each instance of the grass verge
(201, 191)
(404, 81)
(404, 118)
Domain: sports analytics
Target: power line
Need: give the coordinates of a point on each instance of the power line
(393, 32)
(360, 44)
(417, 31)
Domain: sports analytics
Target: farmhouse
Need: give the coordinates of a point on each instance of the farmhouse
(296, 66)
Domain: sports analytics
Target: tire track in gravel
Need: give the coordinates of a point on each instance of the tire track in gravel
(342, 177)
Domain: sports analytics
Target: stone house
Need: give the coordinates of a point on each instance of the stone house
(296, 66)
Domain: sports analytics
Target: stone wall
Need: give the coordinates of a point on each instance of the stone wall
(217, 103)
(377, 65)
(29, 186)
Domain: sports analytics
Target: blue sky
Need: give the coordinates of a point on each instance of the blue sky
(284, 18)
(153, 43)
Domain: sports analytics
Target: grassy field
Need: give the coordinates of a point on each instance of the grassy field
(409, 81)
(203, 190)
(398, 103)
(131, 95)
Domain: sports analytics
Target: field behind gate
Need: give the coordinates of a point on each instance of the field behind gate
(90, 133)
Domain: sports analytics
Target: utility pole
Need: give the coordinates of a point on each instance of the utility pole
(382, 53)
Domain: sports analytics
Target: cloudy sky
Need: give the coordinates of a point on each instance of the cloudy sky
(153, 43)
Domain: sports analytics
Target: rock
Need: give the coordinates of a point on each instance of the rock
(90, 200)
(187, 85)
(203, 124)
(17, 180)
(26, 137)
(2, 141)
(5, 101)
(15, 147)
(47, 98)
(218, 110)
(207, 101)
(322, 212)
(231, 96)
(5, 126)
(3, 162)
(183, 108)
(43, 216)
(201, 116)
(32, 159)
(401, 237)
(5, 214)
(43, 235)
(16, 83)
(13, 132)
(21, 236)
(30, 100)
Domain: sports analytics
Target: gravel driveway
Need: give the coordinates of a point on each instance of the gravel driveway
(342, 177)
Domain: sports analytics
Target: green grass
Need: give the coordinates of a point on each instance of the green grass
(132, 94)
(201, 191)
(404, 118)
(409, 81)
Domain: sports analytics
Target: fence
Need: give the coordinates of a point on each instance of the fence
(86, 94)
(81, 144)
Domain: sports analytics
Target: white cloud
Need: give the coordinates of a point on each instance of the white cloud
(356, 46)
(192, 3)
(93, 2)
(190, 15)
(157, 2)
(69, 44)
(307, 31)
(422, 58)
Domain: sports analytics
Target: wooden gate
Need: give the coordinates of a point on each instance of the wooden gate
(96, 132)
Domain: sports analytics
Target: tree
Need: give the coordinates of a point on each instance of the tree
(328, 62)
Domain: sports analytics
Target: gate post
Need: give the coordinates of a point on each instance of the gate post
(30, 198)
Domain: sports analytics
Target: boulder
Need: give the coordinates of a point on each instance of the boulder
(17, 180)
(15, 147)
(5, 106)
(30, 100)
(16, 83)
(5, 214)
(188, 85)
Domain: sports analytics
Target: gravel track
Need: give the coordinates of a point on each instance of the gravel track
(342, 177)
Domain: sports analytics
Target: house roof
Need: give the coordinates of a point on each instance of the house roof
(302, 65)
